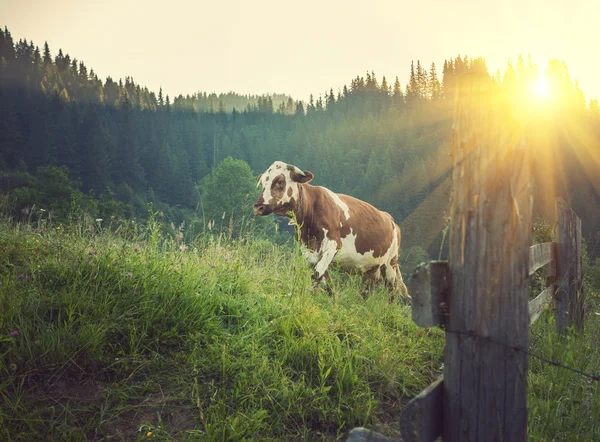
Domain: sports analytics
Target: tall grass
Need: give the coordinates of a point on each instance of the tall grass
(125, 332)
(115, 330)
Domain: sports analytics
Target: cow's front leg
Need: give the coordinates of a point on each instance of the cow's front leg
(328, 251)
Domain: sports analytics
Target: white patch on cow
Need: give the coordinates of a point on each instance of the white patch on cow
(342, 205)
(327, 252)
(349, 257)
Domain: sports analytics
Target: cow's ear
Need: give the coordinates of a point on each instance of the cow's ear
(299, 178)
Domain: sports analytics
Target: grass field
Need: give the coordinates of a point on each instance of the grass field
(125, 333)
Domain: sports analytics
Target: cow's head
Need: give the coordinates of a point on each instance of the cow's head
(280, 185)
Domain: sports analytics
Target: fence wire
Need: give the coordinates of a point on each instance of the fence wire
(487, 339)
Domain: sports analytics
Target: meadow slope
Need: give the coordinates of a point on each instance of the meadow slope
(123, 332)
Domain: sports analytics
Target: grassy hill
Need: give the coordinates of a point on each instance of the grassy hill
(117, 331)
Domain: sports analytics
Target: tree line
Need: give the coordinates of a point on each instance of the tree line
(376, 138)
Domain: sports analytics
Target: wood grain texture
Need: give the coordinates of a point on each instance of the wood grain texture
(539, 304)
(428, 287)
(421, 419)
(490, 238)
(540, 255)
(569, 279)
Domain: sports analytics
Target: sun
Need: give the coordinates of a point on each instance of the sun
(541, 88)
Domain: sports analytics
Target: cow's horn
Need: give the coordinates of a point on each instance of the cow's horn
(295, 169)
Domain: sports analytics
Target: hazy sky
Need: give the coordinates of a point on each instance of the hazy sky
(305, 46)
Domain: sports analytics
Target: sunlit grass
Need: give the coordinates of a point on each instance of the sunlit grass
(120, 335)
(128, 334)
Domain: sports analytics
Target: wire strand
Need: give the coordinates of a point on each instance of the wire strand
(471, 334)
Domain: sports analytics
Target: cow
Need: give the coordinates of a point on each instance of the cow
(334, 228)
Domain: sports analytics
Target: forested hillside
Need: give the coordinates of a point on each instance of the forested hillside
(377, 138)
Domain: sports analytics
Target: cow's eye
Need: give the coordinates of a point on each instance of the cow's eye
(280, 183)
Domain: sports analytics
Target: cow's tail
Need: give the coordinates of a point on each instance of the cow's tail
(399, 285)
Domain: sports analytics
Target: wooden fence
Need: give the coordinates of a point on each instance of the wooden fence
(422, 418)
(480, 296)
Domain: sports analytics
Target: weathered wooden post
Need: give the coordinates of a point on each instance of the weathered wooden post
(490, 237)
(569, 279)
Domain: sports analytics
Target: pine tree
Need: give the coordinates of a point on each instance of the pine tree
(111, 92)
(397, 95)
(320, 103)
(311, 105)
(47, 56)
(434, 84)
(412, 90)
(384, 86)
(422, 81)
(160, 98)
(509, 83)
(330, 99)
(448, 80)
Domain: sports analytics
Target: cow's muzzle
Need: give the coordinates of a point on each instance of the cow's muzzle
(261, 209)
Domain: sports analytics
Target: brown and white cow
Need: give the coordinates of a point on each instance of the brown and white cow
(334, 228)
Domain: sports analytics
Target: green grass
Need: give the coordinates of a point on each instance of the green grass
(121, 335)
(563, 405)
(126, 333)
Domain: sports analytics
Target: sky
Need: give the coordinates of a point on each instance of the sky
(304, 47)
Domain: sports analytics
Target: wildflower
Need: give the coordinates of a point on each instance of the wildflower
(14, 333)
(98, 220)
(58, 228)
(130, 275)
(149, 433)
(112, 217)
(279, 284)
(183, 247)
(42, 210)
(136, 250)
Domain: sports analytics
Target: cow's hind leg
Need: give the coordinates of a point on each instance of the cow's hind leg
(393, 279)
(370, 279)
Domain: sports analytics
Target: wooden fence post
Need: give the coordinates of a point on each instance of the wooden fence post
(569, 280)
(484, 395)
